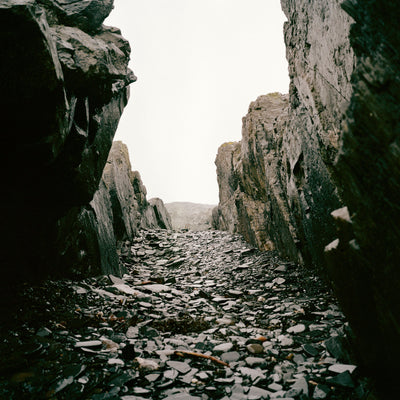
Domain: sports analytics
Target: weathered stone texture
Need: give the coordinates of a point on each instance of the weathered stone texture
(337, 144)
(284, 185)
(245, 182)
(225, 216)
(117, 179)
(163, 219)
(365, 262)
(321, 62)
(130, 209)
(63, 89)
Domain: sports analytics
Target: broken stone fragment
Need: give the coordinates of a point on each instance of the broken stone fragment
(181, 367)
(146, 364)
(89, 343)
(255, 348)
(339, 368)
(299, 328)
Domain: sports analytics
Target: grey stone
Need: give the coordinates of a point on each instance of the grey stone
(337, 347)
(223, 347)
(230, 356)
(285, 341)
(339, 368)
(89, 343)
(253, 361)
(298, 388)
(171, 374)
(299, 328)
(182, 396)
(310, 349)
(255, 348)
(68, 140)
(252, 373)
(256, 393)
(275, 387)
(181, 367)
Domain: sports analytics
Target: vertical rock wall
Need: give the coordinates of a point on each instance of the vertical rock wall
(323, 172)
(365, 261)
(285, 188)
(64, 84)
(130, 209)
(321, 62)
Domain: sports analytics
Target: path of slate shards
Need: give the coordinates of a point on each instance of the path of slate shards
(200, 315)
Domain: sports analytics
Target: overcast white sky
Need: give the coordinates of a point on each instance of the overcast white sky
(199, 64)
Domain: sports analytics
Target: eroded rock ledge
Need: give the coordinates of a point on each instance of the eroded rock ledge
(332, 149)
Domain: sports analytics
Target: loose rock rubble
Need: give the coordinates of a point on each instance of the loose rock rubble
(200, 315)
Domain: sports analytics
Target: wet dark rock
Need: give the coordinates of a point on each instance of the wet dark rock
(311, 350)
(321, 392)
(343, 379)
(339, 347)
(71, 107)
(128, 352)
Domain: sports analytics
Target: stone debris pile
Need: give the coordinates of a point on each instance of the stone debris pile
(200, 315)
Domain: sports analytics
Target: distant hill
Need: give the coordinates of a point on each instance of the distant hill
(192, 216)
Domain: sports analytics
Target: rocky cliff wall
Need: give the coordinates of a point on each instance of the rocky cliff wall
(64, 84)
(334, 149)
(365, 261)
(119, 209)
(285, 190)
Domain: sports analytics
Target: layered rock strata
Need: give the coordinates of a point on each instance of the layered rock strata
(283, 174)
(333, 149)
(131, 210)
(162, 217)
(64, 80)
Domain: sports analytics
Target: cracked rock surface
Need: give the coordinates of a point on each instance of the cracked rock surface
(199, 315)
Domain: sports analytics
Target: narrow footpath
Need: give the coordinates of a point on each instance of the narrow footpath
(199, 315)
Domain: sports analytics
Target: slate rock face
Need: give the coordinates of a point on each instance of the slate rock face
(335, 144)
(163, 219)
(365, 261)
(126, 209)
(64, 88)
(121, 209)
(87, 15)
(282, 178)
(247, 174)
(225, 215)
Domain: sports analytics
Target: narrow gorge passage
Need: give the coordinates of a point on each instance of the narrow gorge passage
(260, 328)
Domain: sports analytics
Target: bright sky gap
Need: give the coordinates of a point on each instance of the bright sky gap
(199, 64)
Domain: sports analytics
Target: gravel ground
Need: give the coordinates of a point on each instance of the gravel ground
(199, 315)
